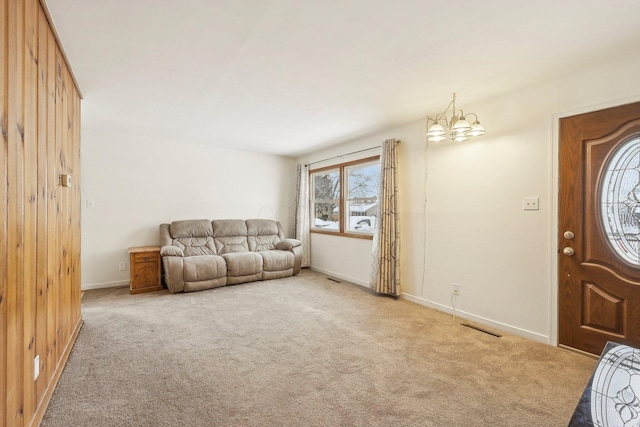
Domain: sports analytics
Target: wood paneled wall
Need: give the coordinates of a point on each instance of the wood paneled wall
(39, 218)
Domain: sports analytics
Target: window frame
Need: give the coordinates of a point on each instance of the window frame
(342, 200)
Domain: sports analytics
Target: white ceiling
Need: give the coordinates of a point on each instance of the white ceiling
(290, 76)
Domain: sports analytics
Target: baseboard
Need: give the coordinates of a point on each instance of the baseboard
(116, 284)
(46, 397)
(534, 336)
(340, 276)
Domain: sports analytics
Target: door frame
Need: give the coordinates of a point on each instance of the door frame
(555, 210)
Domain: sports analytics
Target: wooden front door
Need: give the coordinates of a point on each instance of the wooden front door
(599, 229)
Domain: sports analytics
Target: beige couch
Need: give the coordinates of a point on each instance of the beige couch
(201, 254)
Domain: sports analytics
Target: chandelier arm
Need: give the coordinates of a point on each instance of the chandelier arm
(443, 114)
(472, 114)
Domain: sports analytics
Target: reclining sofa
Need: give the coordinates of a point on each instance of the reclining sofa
(201, 254)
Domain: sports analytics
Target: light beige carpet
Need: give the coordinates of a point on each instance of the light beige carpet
(303, 351)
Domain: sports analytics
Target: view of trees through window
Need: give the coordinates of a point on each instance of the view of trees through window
(344, 198)
(326, 191)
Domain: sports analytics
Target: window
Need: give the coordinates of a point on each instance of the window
(344, 198)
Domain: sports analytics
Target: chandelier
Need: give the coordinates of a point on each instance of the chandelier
(456, 125)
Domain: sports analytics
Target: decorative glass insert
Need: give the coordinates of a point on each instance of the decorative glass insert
(620, 200)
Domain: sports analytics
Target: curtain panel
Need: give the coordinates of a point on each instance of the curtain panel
(302, 213)
(385, 272)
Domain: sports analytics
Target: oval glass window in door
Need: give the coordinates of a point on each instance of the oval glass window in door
(620, 200)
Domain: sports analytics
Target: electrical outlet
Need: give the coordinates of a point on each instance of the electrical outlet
(456, 289)
(36, 367)
(122, 266)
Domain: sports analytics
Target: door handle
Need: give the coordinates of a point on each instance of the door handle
(568, 251)
(569, 235)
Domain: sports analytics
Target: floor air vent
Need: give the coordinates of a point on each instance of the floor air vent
(334, 280)
(481, 330)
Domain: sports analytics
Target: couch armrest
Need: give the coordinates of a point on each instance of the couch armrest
(173, 273)
(165, 235)
(171, 251)
(288, 244)
(295, 246)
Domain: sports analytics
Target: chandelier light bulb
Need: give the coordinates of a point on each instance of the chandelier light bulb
(461, 125)
(477, 129)
(437, 138)
(436, 130)
(459, 137)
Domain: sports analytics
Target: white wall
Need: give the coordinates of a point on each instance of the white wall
(472, 229)
(137, 184)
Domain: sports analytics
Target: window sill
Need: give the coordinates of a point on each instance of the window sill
(337, 233)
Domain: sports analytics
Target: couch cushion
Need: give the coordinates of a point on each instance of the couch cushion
(207, 267)
(230, 235)
(225, 245)
(243, 263)
(277, 260)
(193, 246)
(191, 228)
(263, 234)
(262, 243)
(193, 237)
(262, 227)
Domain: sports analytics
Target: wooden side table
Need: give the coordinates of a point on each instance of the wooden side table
(145, 269)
